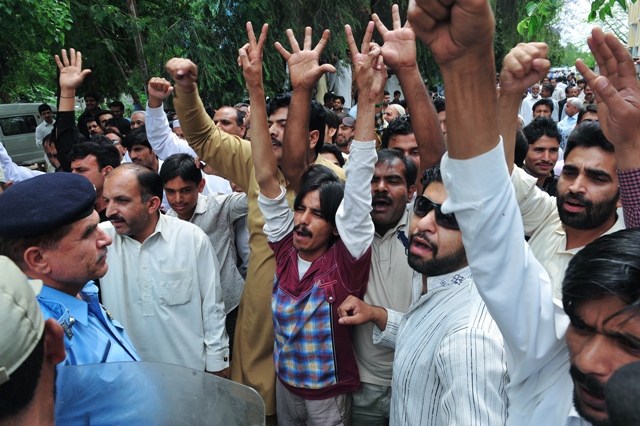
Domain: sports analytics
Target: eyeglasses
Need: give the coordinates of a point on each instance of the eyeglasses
(423, 205)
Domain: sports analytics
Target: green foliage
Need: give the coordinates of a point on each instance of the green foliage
(537, 16)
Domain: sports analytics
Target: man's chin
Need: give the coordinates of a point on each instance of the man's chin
(594, 416)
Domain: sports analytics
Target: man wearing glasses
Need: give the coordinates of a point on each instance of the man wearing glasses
(446, 343)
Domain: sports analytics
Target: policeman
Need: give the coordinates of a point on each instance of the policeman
(49, 228)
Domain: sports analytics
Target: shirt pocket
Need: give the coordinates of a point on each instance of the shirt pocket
(175, 287)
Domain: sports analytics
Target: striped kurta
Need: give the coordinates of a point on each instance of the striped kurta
(449, 366)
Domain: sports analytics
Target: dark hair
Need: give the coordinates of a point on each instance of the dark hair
(410, 167)
(281, 100)
(317, 119)
(609, 266)
(582, 80)
(91, 118)
(44, 107)
(93, 95)
(211, 111)
(180, 165)
(397, 92)
(122, 124)
(587, 135)
(240, 117)
(539, 127)
(117, 104)
(104, 112)
(585, 109)
(331, 190)
(439, 104)
(340, 98)
(522, 147)
(19, 391)
(544, 101)
(386, 93)
(115, 132)
(14, 248)
(149, 181)
(548, 87)
(401, 125)
(106, 154)
(566, 89)
(332, 120)
(335, 151)
(328, 97)
(137, 136)
(431, 175)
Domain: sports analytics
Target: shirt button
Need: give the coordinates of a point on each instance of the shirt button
(330, 297)
(144, 266)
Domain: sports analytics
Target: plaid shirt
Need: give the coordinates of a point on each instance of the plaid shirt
(313, 355)
(629, 182)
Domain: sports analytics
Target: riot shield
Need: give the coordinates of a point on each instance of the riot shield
(150, 393)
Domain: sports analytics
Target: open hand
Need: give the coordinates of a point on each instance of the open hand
(399, 48)
(71, 72)
(370, 71)
(304, 65)
(250, 57)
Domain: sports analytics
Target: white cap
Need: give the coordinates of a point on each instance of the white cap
(176, 123)
(20, 316)
(398, 108)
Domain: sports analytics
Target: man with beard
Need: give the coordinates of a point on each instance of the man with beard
(49, 229)
(587, 192)
(164, 279)
(345, 132)
(598, 332)
(446, 344)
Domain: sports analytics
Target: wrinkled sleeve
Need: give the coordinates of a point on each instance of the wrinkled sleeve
(163, 141)
(387, 337)
(629, 182)
(13, 172)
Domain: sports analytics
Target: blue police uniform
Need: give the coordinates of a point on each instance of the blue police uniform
(91, 334)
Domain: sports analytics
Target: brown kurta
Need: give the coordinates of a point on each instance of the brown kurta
(252, 362)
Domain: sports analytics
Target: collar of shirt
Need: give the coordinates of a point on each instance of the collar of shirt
(201, 205)
(162, 228)
(402, 222)
(78, 308)
(446, 280)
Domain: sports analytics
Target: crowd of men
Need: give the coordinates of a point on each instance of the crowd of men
(386, 262)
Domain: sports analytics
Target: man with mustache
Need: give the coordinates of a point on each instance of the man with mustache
(49, 228)
(446, 343)
(544, 140)
(587, 190)
(598, 332)
(163, 280)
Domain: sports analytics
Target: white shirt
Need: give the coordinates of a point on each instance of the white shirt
(558, 93)
(166, 143)
(450, 366)
(13, 172)
(216, 215)
(542, 223)
(515, 287)
(166, 292)
(526, 106)
(43, 130)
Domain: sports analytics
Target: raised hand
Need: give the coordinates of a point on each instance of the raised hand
(71, 72)
(159, 88)
(184, 73)
(617, 91)
(370, 72)
(250, 57)
(525, 65)
(454, 29)
(304, 65)
(399, 48)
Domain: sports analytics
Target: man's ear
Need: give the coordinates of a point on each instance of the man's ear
(154, 204)
(201, 185)
(410, 192)
(332, 131)
(313, 139)
(106, 170)
(36, 260)
(335, 231)
(54, 342)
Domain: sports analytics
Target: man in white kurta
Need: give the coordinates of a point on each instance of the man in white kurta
(163, 284)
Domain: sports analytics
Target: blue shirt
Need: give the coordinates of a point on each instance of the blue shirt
(566, 127)
(91, 334)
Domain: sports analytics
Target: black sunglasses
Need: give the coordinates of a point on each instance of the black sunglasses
(423, 205)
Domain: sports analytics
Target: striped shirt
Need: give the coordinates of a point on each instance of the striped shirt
(449, 366)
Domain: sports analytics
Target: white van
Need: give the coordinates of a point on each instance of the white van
(18, 124)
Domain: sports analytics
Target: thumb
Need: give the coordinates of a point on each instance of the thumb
(607, 93)
(85, 73)
(327, 68)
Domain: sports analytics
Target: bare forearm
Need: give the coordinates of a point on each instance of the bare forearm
(472, 128)
(424, 118)
(295, 153)
(67, 100)
(508, 105)
(264, 159)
